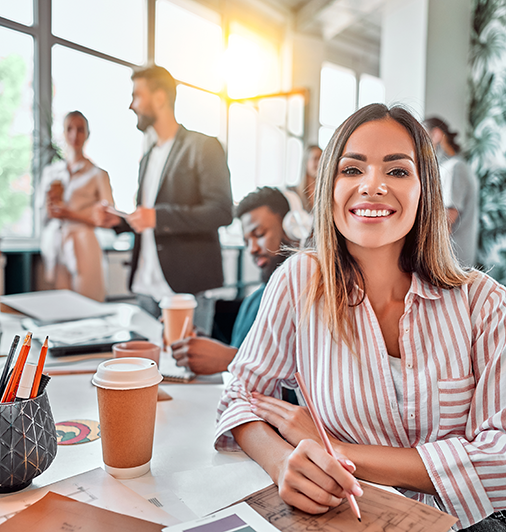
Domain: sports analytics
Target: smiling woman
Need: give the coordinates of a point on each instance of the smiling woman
(400, 347)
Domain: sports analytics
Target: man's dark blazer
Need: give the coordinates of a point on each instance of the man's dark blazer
(194, 199)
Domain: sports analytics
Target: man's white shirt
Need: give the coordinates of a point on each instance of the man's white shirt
(149, 279)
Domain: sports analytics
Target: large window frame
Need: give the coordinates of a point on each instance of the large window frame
(45, 40)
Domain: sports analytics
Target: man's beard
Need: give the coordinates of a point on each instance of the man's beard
(275, 261)
(144, 121)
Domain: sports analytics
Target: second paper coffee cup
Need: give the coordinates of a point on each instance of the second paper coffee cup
(175, 310)
(127, 390)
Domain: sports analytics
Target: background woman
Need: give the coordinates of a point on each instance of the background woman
(70, 189)
(460, 189)
(305, 189)
(403, 351)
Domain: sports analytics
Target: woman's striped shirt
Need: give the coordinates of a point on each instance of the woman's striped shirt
(453, 352)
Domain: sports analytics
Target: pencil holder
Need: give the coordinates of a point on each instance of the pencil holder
(27, 441)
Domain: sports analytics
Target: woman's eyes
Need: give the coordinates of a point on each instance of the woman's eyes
(398, 172)
(395, 172)
(350, 170)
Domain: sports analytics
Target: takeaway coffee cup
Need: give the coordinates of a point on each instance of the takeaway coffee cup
(127, 390)
(175, 310)
(140, 349)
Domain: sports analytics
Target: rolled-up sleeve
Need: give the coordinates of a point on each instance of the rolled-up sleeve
(264, 361)
(469, 472)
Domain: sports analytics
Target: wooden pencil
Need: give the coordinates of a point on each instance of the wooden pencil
(40, 367)
(8, 362)
(12, 386)
(323, 435)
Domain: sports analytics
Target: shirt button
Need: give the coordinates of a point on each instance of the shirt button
(409, 365)
(406, 330)
(411, 416)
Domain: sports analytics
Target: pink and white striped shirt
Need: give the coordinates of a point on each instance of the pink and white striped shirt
(453, 352)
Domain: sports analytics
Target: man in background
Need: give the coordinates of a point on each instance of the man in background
(261, 214)
(183, 198)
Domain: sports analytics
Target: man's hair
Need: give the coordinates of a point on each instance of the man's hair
(158, 77)
(264, 196)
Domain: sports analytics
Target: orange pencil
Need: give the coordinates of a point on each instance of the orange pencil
(40, 367)
(12, 386)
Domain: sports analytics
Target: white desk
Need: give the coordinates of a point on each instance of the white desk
(183, 441)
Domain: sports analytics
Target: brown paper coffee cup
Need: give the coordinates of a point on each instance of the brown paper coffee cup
(127, 390)
(137, 348)
(175, 310)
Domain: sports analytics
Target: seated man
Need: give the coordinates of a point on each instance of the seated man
(261, 214)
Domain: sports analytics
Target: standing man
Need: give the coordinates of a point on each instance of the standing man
(261, 214)
(183, 198)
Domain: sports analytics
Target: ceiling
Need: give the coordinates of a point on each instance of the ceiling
(338, 20)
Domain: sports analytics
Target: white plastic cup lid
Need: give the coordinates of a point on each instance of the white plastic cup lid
(127, 373)
(179, 301)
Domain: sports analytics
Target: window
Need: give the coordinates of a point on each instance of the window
(338, 97)
(84, 63)
(16, 127)
(198, 110)
(371, 90)
(103, 95)
(20, 11)
(188, 45)
(113, 28)
(263, 149)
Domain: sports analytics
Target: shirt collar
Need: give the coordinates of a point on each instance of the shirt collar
(423, 288)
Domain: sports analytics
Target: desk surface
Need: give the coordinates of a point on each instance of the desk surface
(183, 443)
(183, 440)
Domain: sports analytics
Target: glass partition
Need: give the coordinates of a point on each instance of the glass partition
(16, 129)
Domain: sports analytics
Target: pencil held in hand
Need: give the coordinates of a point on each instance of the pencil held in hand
(325, 439)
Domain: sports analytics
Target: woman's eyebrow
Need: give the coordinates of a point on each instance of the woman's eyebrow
(357, 156)
(396, 157)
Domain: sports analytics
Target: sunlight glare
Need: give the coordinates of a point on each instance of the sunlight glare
(242, 66)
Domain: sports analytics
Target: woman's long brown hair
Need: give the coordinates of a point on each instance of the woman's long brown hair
(426, 251)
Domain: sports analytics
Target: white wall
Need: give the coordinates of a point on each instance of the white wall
(403, 53)
(448, 43)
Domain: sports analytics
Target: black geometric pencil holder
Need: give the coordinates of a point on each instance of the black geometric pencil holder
(27, 441)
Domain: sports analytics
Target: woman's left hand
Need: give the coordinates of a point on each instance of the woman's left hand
(293, 422)
(58, 210)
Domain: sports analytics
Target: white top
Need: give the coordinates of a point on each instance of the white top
(396, 369)
(453, 354)
(149, 279)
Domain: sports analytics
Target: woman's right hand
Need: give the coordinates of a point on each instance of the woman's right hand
(313, 481)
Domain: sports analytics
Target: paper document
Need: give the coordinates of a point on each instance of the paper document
(56, 512)
(50, 306)
(95, 487)
(77, 332)
(380, 509)
(231, 483)
(237, 518)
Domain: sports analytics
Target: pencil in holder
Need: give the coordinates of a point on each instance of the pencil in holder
(27, 441)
